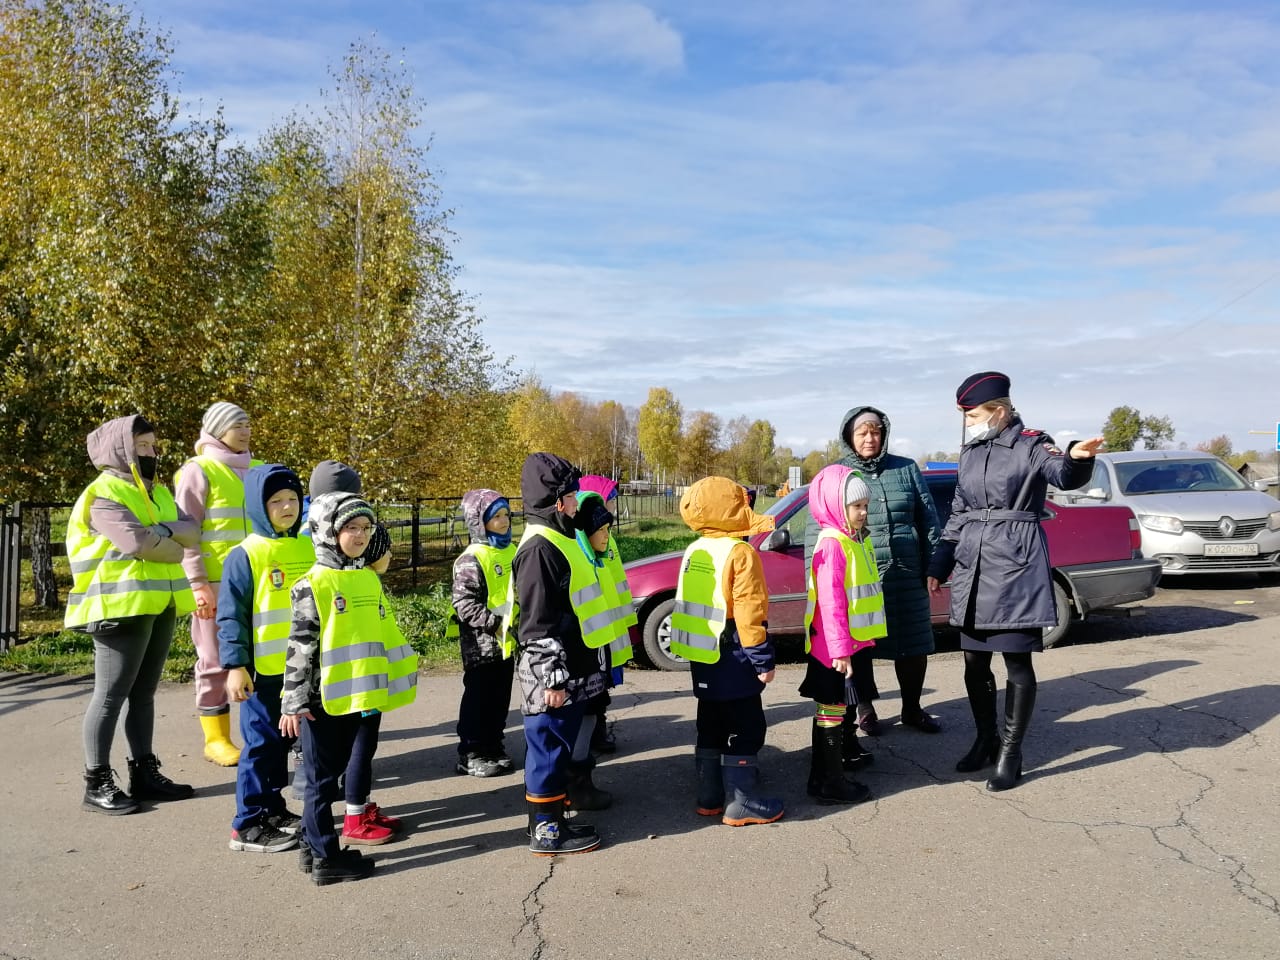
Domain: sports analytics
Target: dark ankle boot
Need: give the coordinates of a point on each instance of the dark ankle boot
(982, 701)
(582, 794)
(1019, 702)
(549, 834)
(817, 769)
(706, 762)
(146, 782)
(833, 787)
(101, 795)
(853, 756)
(742, 805)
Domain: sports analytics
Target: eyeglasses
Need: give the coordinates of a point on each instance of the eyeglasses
(360, 528)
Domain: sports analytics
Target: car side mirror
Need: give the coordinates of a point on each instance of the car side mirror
(776, 540)
(1094, 493)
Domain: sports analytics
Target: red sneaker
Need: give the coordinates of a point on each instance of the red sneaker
(358, 828)
(374, 815)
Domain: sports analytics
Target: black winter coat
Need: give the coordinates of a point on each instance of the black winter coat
(993, 546)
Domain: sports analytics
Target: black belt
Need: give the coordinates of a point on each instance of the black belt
(987, 513)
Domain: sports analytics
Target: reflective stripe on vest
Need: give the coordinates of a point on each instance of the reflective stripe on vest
(861, 586)
(495, 566)
(109, 585)
(276, 564)
(365, 663)
(701, 612)
(614, 580)
(596, 616)
(225, 523)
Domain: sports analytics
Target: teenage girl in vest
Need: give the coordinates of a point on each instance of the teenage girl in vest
(210, 489)
(845, 614)
(124, 540)
(480, 578)
(253, 626)
(345, 656)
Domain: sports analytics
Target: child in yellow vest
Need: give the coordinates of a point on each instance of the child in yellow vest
(845, 614)
(253, 627)
(480, 578)
(345, 655)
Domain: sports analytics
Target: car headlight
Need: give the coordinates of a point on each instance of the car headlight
(1273, 520)
(1160, 524)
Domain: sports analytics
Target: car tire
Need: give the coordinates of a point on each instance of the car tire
(1062, 604)
(656, 632)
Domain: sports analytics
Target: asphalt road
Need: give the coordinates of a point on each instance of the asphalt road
(1145, 828)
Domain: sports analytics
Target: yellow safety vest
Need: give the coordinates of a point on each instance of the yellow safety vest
(495, 565)
(861, 583)
(225, 522)
(107, 584)
(276, 564)
(365, 661)
(614, 580)
(702, 612)
(594, 610)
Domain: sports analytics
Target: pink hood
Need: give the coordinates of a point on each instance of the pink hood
(826, 497)
(598, 484)
(211, 446)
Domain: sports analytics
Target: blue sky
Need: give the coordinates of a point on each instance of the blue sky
(782, 210)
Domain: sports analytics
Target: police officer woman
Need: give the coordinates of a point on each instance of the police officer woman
(994, 548)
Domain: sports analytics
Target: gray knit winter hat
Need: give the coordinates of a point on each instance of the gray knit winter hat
(855, 489)
(333, 476)
(221, 417)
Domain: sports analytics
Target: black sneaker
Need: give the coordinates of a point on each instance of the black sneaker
(474, 765)
(287, 822)
(346, 866)
(262, 838)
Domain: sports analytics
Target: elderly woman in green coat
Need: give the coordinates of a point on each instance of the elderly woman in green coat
(904, 527)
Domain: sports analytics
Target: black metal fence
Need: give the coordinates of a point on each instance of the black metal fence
(424, 533)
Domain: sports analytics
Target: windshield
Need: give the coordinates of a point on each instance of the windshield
(1176, 476)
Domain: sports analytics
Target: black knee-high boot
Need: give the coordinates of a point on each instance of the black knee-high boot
(982, 701)
(1019, 702)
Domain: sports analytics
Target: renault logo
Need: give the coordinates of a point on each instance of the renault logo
(1228, 527)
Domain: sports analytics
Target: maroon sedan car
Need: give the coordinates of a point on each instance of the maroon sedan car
(1094, 551)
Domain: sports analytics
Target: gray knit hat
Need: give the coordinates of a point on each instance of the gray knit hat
(349, 509)
(855, 489)
(333, 476)
(221, 417)
(866, 416)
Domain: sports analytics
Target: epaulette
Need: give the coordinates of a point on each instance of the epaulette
(1032, 433)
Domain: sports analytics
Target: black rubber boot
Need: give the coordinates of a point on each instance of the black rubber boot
(101, 795)
(1019, 702)
(347, 866)
(146, 782)
(742, 806)
(832, 785)
(550, 835)
(982, 701)
(853, 756)
(706, 763)
(582, 794)
(817, 767)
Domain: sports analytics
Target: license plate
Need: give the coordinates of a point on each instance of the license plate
(1230, 549)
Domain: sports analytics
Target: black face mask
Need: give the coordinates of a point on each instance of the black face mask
(147, 468)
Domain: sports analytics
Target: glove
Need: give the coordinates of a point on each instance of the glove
(379, 545)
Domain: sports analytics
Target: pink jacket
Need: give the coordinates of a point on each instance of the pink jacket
(192, 493)
(831, 636)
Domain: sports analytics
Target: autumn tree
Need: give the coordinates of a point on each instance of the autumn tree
(1219, 446)
(699, 445)
(1126, 427)
(658, 430)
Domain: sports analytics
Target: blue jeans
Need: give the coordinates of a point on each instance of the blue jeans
(550, 737)
(326, 750)
(264, 758)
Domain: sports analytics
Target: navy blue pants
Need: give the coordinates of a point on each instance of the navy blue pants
(735, 727)
(359, 779)
(549, 739)
(326, 750)
(264, 759)
(482, 714)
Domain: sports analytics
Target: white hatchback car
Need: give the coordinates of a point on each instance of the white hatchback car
(1196, 514)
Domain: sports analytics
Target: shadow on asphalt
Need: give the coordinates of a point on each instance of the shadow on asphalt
(18, 690)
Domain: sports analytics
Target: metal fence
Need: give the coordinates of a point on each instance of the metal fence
(424, 533)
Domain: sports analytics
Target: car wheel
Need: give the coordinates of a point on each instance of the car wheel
(657, 637)
(1062, 604)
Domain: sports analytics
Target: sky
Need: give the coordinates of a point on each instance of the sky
(783, 210)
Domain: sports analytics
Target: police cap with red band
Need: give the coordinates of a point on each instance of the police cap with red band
(982, 388)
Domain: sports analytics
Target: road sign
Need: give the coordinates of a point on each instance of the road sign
(795, 478)
(1278, 438)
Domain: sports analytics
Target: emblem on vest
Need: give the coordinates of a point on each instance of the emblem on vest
(497, 569)
(277, 578)
(382, 611)
(340, 603)
(610, 553)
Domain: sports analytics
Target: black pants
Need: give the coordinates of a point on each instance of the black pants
(735, 727)
(359, 779)
(486, 701)
(326, 750)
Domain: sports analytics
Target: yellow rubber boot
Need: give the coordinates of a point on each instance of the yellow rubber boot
(218, 747)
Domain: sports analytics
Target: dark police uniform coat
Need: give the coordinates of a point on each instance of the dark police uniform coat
(993, 545)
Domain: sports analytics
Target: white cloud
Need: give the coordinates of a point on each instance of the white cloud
(604, 33)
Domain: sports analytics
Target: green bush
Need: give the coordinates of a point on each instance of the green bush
(423, 616)
(69, 652)
(636, 548)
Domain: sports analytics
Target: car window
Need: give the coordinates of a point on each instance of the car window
(943, 490)
(1137, 477)
(1101, 481)
(796, 522)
